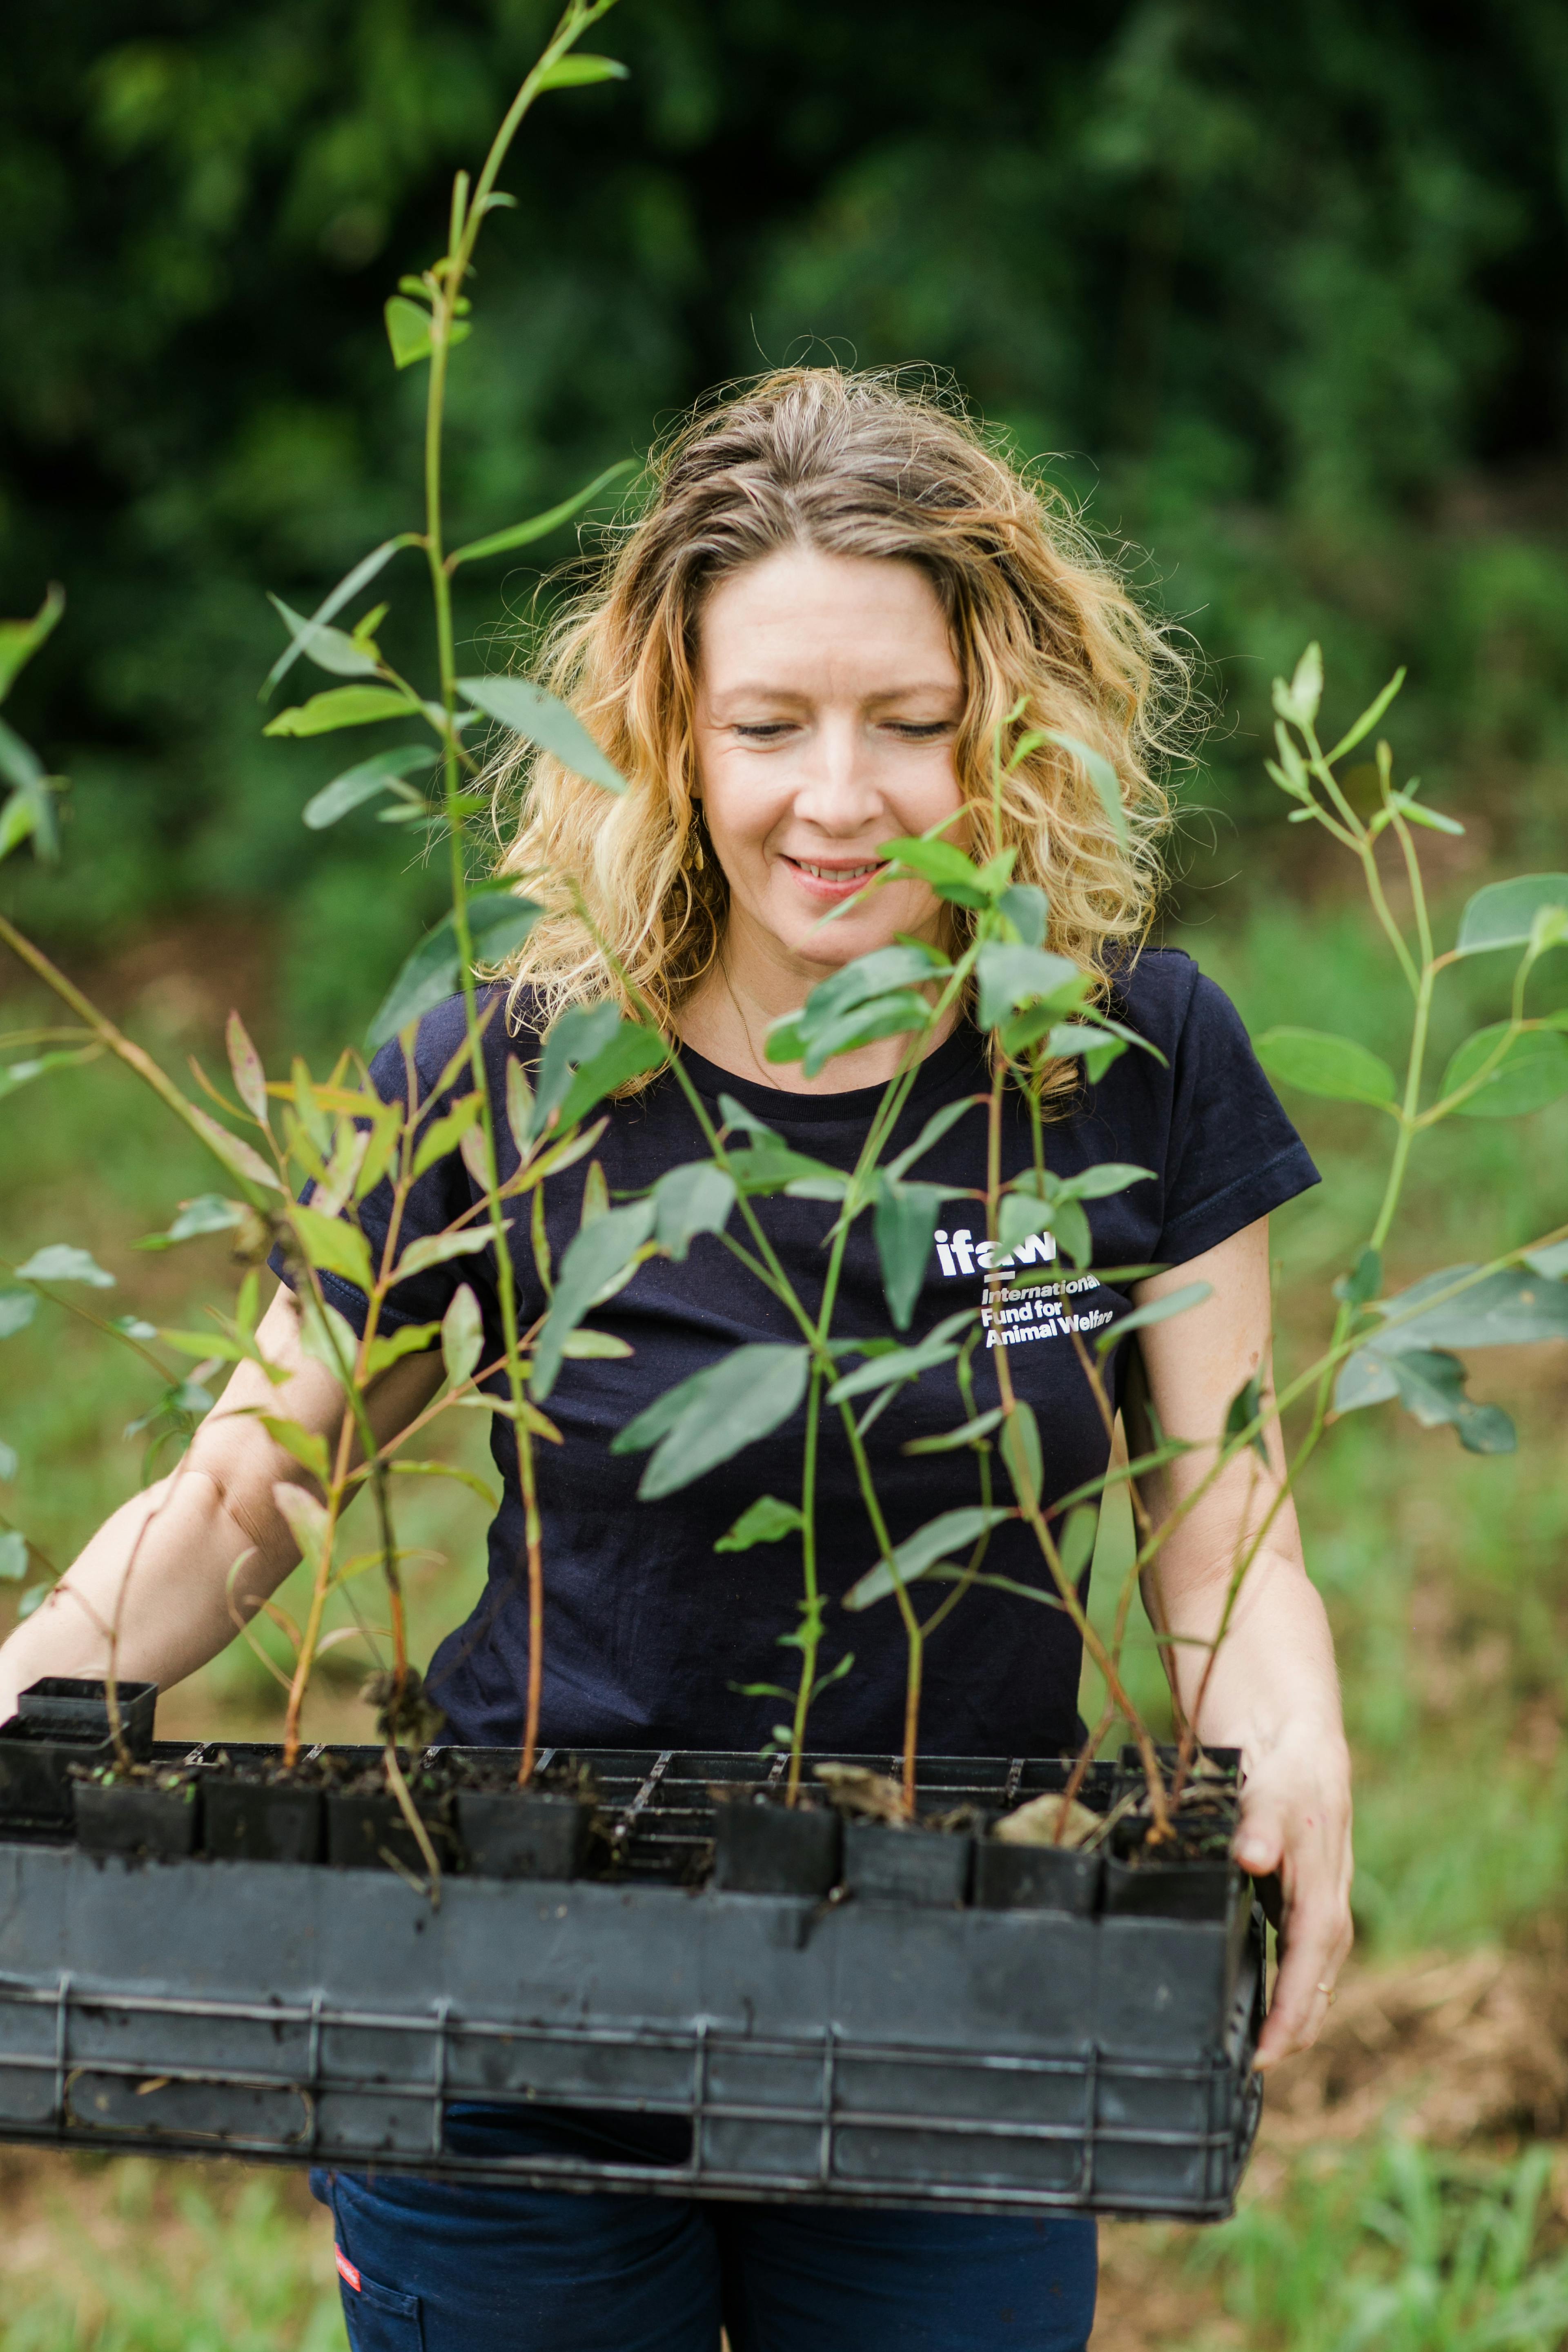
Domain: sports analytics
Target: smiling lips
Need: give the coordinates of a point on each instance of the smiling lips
(834, 881)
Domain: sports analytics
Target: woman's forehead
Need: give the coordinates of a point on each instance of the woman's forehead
(796, 620)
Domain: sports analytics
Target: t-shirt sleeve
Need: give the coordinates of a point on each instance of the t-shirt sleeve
(1233, 1154)
(435, 1202)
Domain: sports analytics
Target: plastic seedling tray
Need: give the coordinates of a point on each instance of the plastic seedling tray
(60, 1725)
(830, 2049)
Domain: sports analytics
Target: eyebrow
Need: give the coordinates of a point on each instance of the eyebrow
(769, 690)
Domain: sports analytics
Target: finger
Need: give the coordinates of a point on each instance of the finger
(1312, 1951)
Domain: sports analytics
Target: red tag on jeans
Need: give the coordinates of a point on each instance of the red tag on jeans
(346, 2269)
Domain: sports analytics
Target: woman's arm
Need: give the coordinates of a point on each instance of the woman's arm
(1272, 1691)
(161, 1563)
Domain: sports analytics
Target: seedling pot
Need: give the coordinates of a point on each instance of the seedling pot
(68, 1708)
(261, 1821)
(368, 1829)
(134, 1817)
(36, 1769)
(523, 1833)
(1035, 1878)
(765, 1848)
(889, 1863)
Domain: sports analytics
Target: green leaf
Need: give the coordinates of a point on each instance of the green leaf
(1011, 976)
(1102, 776)
(10, 1461)
(542, 719)
(60, 1262)
(952, 1531)
(234, 1152)
(343, 706)
(209, 1212)
(1432, 1390)
(521, 534)
(436, 1249)
(572, 72)
(1299, 700)
(1075, 1545)
(1320, 1064)
(633, 1049)
(443, 1135)
(1416, 813)
(334, 1246)
(950, 874)
(389, 1348)
(905, 1225)
(18, 1309)
(767, 1521)
(13, 1554)
(348, 587)
(1503, 914)
(1532, 1072)
(362, 784)
(462, 1335)
(19, 1074)
(1369, 718)
(598, 1254)
(329, 648)
(892, 1369)
(772, 1166)
(1156, 1310)
(1245, 1407)
(898, 1015)
(308, 1447)
(1363, 1282)
(586, 1345)
(20, 640)
(499, 922)
(969, 1433)
(1551, 1261)
(1027, 908)
(696, 1199)
(1020, 1446)
(1022, 1215)
(931, 1133)
(327, 1336)
(715, 1414)
(1099, 1183)
(1508, 1309)
(408, 330)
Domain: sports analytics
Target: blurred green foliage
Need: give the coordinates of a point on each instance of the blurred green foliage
(1277, 291)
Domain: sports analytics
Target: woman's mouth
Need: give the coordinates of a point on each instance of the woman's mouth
(834, 880)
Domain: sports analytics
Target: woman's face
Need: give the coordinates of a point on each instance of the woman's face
(827, 702)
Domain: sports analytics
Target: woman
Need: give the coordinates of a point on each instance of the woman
(802, 651)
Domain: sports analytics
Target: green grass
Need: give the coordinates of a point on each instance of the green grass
(164, 2265)
(1394, 2248)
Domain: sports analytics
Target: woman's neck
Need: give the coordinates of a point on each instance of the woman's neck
(727, 1018)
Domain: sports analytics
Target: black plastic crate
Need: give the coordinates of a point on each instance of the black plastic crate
(841, 2051)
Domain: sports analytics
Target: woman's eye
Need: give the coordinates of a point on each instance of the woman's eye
(921, 730)
(765, 730)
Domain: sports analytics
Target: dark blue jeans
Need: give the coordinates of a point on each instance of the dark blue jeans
(431, 2266)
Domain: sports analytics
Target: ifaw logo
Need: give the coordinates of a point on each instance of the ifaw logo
(960, 1253)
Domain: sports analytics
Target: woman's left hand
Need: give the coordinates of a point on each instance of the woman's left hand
(1295, 1830)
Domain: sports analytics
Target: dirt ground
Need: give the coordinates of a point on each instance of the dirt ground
(1468, 2052)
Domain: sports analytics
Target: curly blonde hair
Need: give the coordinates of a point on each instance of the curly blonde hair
(860, 465)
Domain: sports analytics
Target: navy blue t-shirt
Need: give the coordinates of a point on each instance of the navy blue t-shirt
(647, 1629)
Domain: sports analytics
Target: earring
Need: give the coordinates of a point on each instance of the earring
(694, 856)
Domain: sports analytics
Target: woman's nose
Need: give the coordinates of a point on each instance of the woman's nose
(838, 790)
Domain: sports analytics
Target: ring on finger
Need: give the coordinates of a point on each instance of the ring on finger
(1327, 1992)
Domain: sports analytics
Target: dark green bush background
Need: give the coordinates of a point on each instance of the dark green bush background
(1280, 290)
